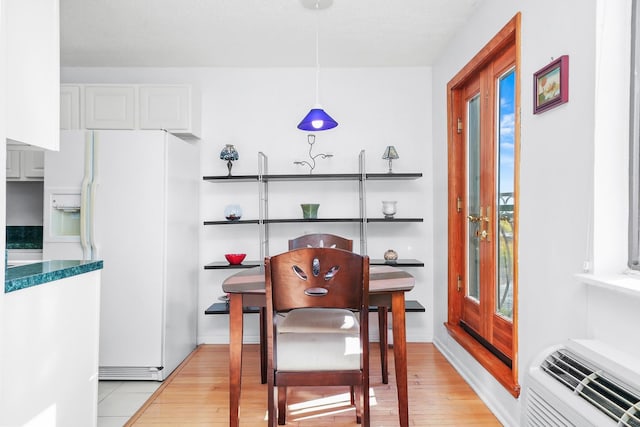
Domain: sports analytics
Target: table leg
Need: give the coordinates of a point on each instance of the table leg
(384, 344)
(400, 355)
(235, 357)
(263, 345)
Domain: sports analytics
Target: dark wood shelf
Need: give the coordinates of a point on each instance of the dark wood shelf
(223, 308)
(232, 178)
(294, 220)
(298, 220)
(227, 222)
(393, 176)
(400, 262)
(224, 265)
(410, 306)
(315, 177)
(395, 220)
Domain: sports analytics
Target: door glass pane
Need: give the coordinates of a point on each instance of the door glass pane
(505, 202)
(473, 197)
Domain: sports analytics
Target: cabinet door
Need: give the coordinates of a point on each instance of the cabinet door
(69, 107)
(165, 107)
(13, 164)
(110, 107)
(33, 70)
(32, 163)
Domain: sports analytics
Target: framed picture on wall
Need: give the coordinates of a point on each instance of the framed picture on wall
(551, 85)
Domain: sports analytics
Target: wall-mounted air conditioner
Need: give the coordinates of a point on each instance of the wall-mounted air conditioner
(583, 383)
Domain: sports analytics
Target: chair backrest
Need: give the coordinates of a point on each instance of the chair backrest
(317, 240)
(317, 277)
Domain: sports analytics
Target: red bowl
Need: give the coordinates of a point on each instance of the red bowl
(235, 259)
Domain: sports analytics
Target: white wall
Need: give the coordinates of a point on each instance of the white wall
(258, 110)
(568, 154)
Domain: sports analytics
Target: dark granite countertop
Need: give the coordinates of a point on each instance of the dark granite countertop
(38, 273)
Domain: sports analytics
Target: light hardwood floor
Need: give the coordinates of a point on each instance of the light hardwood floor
(197, 394)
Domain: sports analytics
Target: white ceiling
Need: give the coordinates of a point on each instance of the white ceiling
(257, 33)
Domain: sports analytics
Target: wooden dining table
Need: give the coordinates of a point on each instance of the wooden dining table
(387, 288)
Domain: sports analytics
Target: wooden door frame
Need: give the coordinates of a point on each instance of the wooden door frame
(508, 377)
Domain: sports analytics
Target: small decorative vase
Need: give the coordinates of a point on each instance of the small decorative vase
(233, 212)
(310, 210)
(389, 209)
(391, 256)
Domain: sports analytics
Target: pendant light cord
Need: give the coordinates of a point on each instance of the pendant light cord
(317, 53)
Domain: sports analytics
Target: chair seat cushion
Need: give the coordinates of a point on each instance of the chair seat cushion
(323, 351)
(319, 320)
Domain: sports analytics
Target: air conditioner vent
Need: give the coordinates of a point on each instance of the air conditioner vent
(541, 414)
(609, 395)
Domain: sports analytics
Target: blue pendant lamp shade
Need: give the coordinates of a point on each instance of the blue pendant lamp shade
(317, 119)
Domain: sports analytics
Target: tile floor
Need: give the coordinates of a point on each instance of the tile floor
(119, 400)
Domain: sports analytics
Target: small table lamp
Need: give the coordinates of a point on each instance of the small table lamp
(390, 153)
(229, 153)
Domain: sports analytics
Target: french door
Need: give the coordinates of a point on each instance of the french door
(487, 305)
(483, 156)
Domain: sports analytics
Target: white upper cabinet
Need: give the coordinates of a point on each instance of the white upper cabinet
(69, 107)
(13, 165)
(110, 107)
(165, 107)
(25, 165)
(174, 108)
(32, 164)
(33, 72)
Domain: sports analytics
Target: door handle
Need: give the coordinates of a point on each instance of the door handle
(475, 218)
(486, 233)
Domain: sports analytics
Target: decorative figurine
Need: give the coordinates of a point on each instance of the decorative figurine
(391, 256)
(311, 139)
(229, 154)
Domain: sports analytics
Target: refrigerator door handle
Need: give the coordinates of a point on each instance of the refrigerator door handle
(95, 249)
(84, 197)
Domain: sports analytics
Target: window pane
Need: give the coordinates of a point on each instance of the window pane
(505, 202)
(473, 197)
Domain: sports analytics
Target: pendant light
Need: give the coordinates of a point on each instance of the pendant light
(317, 119)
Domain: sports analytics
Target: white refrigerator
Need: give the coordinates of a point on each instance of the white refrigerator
(130, 198)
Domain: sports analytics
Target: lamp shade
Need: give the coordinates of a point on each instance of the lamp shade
(390, 153)
(317, 119)
(229, 152)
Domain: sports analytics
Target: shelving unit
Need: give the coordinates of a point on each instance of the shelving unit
(263, 178)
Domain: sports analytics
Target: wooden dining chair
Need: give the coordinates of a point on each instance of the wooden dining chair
(321, 240)
(318, 240)
(334, 349)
